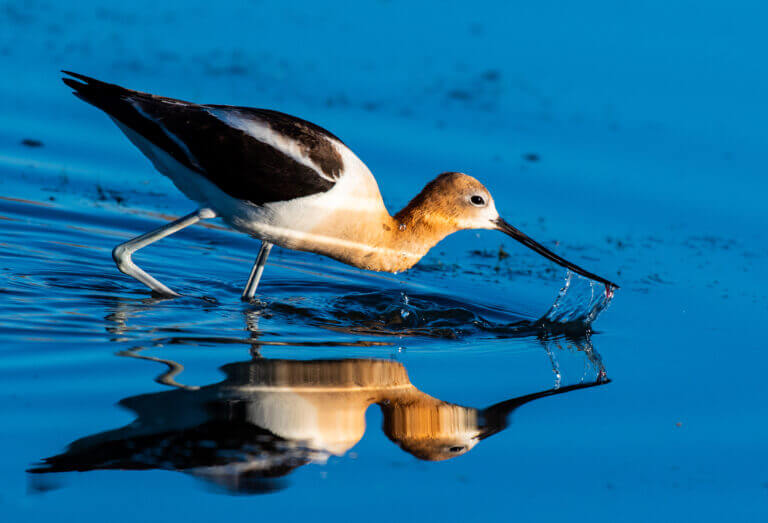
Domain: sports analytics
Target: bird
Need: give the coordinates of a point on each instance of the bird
(288, 182)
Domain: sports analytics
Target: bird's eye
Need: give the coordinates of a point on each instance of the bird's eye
(456, 449)
(477, 200)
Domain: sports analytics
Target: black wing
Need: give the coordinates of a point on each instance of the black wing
(202, 138)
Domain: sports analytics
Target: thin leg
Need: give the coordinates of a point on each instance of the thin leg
(256, 271)
(122, 253)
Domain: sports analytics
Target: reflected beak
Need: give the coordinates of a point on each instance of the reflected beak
(526, 240)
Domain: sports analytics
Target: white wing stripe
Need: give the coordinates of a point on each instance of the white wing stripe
(262, 132)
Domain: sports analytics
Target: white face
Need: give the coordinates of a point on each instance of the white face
(478, 210)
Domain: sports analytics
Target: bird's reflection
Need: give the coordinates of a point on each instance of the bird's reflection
(270, 416)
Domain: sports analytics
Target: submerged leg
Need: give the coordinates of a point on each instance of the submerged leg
(122, 253)
(256, 271)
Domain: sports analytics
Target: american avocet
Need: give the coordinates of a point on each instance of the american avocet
(290, 183)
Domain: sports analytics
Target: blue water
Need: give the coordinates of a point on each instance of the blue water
(628, 138)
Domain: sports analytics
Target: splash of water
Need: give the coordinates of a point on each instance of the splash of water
(411, 313)
(592, 370)
(580, 301)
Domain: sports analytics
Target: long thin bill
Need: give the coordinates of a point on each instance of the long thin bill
(526, 240)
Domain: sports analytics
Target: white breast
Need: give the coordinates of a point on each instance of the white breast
(289, 222)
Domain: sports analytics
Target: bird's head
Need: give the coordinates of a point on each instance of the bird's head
(456, 201)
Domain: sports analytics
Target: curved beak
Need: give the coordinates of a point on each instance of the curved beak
(526, 240)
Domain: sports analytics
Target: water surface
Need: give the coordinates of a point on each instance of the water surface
(435, 394)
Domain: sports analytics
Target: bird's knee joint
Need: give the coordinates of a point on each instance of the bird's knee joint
(122, 256)
(206, 214)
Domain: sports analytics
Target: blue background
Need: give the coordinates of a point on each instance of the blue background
(648, 119)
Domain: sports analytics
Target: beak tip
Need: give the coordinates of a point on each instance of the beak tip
(506, 228)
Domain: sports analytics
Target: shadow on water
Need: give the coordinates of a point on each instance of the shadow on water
(270, 416)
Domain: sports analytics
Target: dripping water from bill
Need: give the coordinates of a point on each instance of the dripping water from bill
(580, 301)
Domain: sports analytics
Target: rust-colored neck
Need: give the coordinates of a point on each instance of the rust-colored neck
(419, 228)
(372, 239)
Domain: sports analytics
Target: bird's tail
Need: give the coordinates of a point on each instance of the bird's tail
(107, 97)
(136, 114)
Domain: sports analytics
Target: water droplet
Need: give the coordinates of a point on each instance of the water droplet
(578, 302)
(404, 312)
